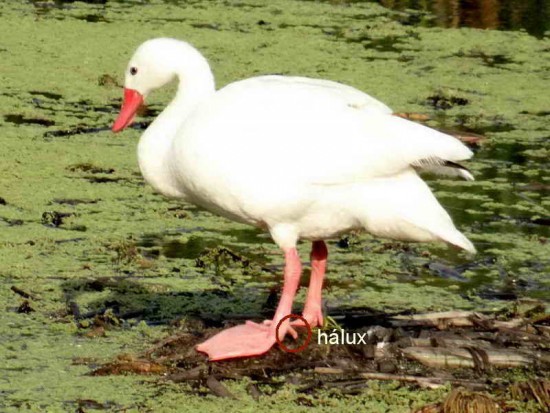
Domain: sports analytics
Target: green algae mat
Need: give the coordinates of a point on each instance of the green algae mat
(95, 265)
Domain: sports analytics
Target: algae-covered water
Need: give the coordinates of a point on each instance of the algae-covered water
(81, 234)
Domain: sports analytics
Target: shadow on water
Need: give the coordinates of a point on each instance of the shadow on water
(125, 299)
(22, 120)
(128, 298)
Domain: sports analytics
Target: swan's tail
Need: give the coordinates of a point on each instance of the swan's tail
(456, 238)
(403, 207)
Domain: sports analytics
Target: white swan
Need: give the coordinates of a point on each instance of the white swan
(302, 158)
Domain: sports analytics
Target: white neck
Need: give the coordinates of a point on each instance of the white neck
(196, 84)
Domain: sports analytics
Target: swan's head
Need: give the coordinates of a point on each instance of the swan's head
(155, 63)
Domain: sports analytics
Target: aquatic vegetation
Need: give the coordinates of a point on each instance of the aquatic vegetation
(82, 234)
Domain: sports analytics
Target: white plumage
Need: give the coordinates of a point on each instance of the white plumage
(303, 158)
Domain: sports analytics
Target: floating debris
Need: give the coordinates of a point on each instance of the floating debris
(22, 293)
(54, 218)
(22, 120)
(464, 349)
(443, 102)
(537, 390)
(218, 388)
(25, 307)
(90, 168)
(126, 364)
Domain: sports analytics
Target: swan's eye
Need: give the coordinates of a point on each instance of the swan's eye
(133, 71)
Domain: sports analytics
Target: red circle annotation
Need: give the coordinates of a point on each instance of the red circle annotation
(306, 342)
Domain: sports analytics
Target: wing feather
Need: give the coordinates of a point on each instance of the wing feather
(313, 132)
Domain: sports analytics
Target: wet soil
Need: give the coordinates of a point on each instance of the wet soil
(411, 349)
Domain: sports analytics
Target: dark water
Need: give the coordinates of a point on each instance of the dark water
(530, 15)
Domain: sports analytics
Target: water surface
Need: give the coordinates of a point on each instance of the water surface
(79, 227)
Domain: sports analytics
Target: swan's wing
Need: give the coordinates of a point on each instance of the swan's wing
(293, 132)
(335, 91)
(364, 146)
(402, 143)
(445, 168)
(356, 99)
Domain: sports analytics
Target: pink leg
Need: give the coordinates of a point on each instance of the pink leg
(312, 309)
(252, 339)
